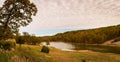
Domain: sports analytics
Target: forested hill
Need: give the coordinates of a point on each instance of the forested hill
(90, 36)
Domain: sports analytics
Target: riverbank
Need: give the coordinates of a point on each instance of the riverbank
(29, 53)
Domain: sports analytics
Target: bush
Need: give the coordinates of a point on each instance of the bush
(7, 44)
(21, 40)
(45, 49)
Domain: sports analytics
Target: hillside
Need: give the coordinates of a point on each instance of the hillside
(89, 36)
(113, 42)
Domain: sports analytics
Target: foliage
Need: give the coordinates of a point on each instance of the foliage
(28, 39)
(13, 14)
(20, 40)
(7, 45)
(33, 40)
(45, 49)
(7, 35)
(90, 36)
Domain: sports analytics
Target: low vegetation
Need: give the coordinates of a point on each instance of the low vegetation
(24, 53)
(29, 53)
(7, 44)
(45, 49)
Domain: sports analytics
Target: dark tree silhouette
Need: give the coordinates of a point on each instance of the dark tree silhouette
(20, 40)
(13, 14)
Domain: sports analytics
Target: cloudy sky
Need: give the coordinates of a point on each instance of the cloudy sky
(65, 15)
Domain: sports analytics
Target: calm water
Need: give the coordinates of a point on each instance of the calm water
(76, 46)
(60, 45)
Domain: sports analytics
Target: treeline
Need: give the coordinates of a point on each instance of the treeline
(30, 39)
(26, 38)
(90, 36)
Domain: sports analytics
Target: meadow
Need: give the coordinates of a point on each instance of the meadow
(30, 53)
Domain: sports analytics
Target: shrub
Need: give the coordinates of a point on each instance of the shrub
(21, 40)
(7, 44)
(45, 49)
(83, 60)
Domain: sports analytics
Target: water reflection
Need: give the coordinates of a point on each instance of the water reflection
(60, 45)
(77, 46)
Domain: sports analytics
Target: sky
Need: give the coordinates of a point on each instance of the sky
(57, 16)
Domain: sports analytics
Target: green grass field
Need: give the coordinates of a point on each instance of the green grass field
(29, 53)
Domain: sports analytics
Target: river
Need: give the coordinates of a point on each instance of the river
(77, 46)
(60, 45)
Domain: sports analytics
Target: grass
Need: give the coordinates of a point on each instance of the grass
(93, 57)
(3, 58)
(29, 53)
(78, 56)
(99, 48)
(26, 53)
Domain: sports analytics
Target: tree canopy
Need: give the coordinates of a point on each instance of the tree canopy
(13, 14)
(88, 36)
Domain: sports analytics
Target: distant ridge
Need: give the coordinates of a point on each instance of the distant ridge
(88, 36)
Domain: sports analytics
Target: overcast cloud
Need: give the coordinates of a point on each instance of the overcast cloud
(69, 14)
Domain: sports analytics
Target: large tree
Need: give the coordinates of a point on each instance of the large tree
(13, 14)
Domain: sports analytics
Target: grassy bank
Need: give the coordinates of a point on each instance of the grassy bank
(99, 48)
(28, 53)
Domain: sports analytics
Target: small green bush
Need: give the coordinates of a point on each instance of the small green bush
(45, 49)
(83, 60)
(7, 45)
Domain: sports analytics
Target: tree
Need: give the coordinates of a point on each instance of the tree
(20, 40)
(34, 40)
(13, 14)
(26, 36)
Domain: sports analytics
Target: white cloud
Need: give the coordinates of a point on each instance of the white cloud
(55, 14)
(77, 13)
